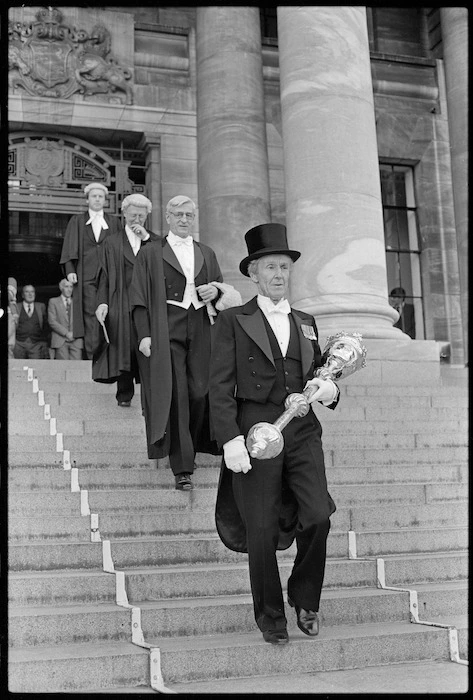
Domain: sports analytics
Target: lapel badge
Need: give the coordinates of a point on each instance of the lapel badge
(308, 332)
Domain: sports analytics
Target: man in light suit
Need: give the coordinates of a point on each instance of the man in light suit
(32, 330)
(60, 319)
(263, 351)
(83, 239)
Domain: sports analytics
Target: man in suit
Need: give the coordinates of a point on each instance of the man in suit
(263, 351)
(84, 236)
(32, 330)
(172, 286)
(60, 319)
(117, 361)
(406, 320)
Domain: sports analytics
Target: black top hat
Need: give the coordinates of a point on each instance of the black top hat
(266, 239)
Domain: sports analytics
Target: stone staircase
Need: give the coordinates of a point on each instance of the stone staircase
(119, 583)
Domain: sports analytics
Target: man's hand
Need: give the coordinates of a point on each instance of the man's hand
(323, 390)
(236, 455)
(72, 278)
(69, 336)
(101, 312)
(207, 292)
(140, 231)
(145, 346)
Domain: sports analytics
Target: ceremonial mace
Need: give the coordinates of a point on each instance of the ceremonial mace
(343, 355)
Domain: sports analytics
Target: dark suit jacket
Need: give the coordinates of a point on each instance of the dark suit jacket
(80, 254)
(242, 365)
(40, 309)
(175, 278)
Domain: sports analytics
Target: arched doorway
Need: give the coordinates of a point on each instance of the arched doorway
(46, 177)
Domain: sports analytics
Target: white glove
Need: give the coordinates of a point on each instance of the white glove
(323, 390)
(101, 312)
(236, 455)
(145, 346)
(72, 278)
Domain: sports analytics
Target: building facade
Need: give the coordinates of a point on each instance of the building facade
(347, 124)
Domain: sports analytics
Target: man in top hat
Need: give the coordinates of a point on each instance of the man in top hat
(263, 351)
(83, 238)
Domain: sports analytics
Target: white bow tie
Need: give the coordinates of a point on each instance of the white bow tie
(188, 240)
(282, 307)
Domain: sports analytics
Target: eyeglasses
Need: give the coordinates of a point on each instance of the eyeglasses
(181, 214)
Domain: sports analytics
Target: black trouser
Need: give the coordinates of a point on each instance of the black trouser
(91, 324)
(258, 497)
(189, 341)
(125, 382)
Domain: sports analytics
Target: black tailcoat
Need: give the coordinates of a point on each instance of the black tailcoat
(243, 369)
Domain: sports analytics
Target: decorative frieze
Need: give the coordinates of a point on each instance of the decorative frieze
(50, 58)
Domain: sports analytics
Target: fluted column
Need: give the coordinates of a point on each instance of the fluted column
(454, 22)
(233, 179)
(333, 194)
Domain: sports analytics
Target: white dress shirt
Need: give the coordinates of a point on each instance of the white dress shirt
(278, 319)
(183, 249)
(98, 222)
(135, 241)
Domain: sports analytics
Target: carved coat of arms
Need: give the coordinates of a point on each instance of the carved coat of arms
(48, 58)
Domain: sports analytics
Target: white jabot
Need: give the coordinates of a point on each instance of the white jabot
(183, 249)
(135, 241)
(277, 316)
(96, 218)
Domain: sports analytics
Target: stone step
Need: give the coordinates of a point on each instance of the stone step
(69, 587)
(148, 476)
(194, 522)
(59, 588)
(82, 666)
(78, 667)
(115, 425)
(237, 655)
(105, 622)
(146, 500)
(108, 409)
(338, 456)
(135, 441)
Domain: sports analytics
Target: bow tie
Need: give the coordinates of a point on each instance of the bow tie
(188, 240)
(282, 307)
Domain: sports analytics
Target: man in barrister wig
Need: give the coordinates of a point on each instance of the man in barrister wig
(116, 360)
(263, 351)
(84, 236)
(176, 292)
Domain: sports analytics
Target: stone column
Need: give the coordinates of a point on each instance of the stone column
(333, 194)
(233, 179)
(152, 149)
(454, 22)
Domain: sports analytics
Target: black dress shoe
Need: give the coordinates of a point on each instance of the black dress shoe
(124, 404)
(307, 620)
(184, 482)
(276, 636)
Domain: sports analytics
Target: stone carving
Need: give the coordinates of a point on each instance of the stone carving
(48, 58)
